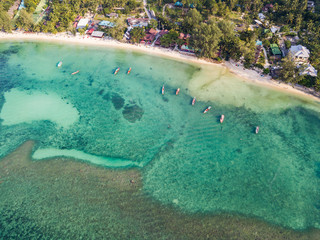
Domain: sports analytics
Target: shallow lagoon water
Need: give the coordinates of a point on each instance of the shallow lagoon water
(189, 161)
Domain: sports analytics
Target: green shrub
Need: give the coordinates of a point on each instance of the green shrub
(287, 43)
(266, 71)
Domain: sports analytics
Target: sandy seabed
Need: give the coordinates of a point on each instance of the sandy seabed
(250, 76)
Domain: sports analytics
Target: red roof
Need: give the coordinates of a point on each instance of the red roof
(153, 31)
(90, 30)
(163, 32)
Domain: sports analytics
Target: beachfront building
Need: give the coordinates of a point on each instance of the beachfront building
(97, 34)
(106, 24)
(300, 54)
(309, 70)
(82, 23)
(138, 22)
(150, 36)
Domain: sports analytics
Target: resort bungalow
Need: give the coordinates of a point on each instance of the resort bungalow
(90, 31)
(300, 54)
(82, 23)
(262, 17)
(106, 24)
(138, 22)
(310, 6)
(97, 34)
(186, 48)
(267, 7)
(150, 36)
(178, 4)
(275, 50)
(112, 15)
(184, 36)
(309, 70)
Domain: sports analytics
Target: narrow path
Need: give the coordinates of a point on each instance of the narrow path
(145, 9)
(266, 62)
(14, 7)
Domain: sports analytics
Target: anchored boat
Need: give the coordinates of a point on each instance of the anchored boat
(162, 90)
(257, 129)
(193, 101)
(129, 71)
(59, 64)
(116, 71)
(207, 109)
(74, 72)
(221, 118)
(178, 90)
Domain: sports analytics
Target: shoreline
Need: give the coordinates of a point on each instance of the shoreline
(249, 75)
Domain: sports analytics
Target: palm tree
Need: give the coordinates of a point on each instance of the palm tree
(290, 18)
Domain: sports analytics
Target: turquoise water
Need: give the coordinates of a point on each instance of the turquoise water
(189, 161)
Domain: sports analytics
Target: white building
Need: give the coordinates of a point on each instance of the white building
(299, 53)
(262, 17)
(82, 23)
(309, 70)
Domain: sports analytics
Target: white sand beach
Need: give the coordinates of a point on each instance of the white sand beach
(247, 74)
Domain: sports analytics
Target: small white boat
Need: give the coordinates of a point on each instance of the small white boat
(59, 64)
(257, 129)
(221, 118)
(74, 72)
(162, 90)
(178, 90)
(193, 101)
(116, 71)
(207, 109)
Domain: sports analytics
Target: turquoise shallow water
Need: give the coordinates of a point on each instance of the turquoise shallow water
(188, 159)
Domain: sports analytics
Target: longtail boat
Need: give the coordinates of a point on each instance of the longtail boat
(162, 90)
(193, 101)
(221, 118)
(129, 71)
(207, 109)
(116, 71)
(74, 72)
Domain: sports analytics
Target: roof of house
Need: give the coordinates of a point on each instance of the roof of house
(275, 29)
(138, 22)
(152, 31)
(82, 23)
(106, 24)
(275, 49)
(163, 32)
(90, 31)
(261, 16)
(309, 70)
(299, 51)
(97, 34)
(112, 15)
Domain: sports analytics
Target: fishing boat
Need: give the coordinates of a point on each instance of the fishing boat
(221, 118)
(129, 71)
(178, 90)
(193, 101)
(59, 64)
(257, 129)
(116, 71)
(74, 72)
(162, 90)
(207, 109)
